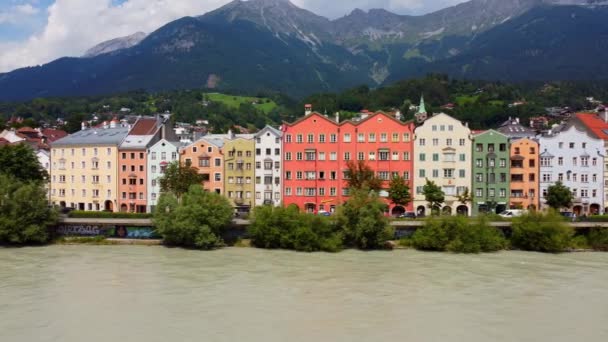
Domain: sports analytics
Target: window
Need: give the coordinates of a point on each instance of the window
(321, 155)
(277, 165)
(384, 175)
(258, 152)
(346, 155)
(422, 157)
(546, 177)
(479, 177)
(435, 173)
(449, 157)
(287, 191)
(310, 138)
(478, 147)
(461, 142)
(545, 162)
(299, 175)
(372, 137)
(361, 137)
(203, 163)
(332, 191)
(288, 139)
(406, 175)
(574, 161)
(383, 137)
(268, 165)
(218, 162)
(448, 142)
(406, 137)
(435, 142)
(268, 152)
(347, 137)
(462, 173)
(585, 178)
(406, 156)
(503, 163)
(299, 155)
(321, 138)
(299, 138)
(462, 157)
(395, 156)
(478, 192)
(277, 151)
(571, 145)
(479, 163)
(422, 173)
(584, 193)
(383, 155)
(333, 138)
(310, 155)
(287, 156)
(361, 156)
(422, 142)
(584, 161)
(333, 156)
(395, 137)
(435, 156)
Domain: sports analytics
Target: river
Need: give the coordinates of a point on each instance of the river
(127, 293)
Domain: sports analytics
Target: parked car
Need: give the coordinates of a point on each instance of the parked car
(323, 213)
(408, 214)
(568, 215)
(509, 213)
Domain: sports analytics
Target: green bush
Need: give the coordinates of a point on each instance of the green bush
(541, 232)
(24, 212)
(288, 228)
(598, 239)
(596, 218)
(106, 214)
(458, 234)
(362, 221)
(196, 220)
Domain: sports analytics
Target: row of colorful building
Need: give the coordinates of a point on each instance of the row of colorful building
(116, 166)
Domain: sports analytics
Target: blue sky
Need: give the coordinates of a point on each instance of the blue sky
(34, 32)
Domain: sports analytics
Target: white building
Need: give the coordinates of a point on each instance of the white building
(576, 159)
(442, 152)
(159, 155)
(268, 167)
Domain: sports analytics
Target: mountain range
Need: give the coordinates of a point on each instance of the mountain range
(274, 46)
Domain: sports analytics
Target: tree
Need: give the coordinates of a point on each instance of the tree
(20, 162)
(24, 212)
(196, 221)
(363, 222)
(559, 196)
(361, 176)
(434, 195)
(178, 179)
(399, 191)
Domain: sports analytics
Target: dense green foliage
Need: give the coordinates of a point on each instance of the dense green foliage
(178, 179)
(288, 228)
(360, 175)
(24, 212)
(196, 220)
(458, 234)
(363, 222)
(105, 214)
(399, 191)
(559, 196)
(20, 162)
(598, 239)
(433, 195)
(541, 232)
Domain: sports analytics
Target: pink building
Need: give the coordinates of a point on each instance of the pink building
(318, 149)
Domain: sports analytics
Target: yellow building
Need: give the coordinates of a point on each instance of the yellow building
(239, 171)
(84, 168)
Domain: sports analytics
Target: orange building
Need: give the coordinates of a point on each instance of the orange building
(206, 155)
(132, 164)
(524, 174)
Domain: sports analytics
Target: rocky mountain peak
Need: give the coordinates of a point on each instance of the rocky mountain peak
(115, 44)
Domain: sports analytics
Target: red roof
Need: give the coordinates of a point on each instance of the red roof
(54, 134)
(26, 130)
(144, 126)
(4, 142)
(593, 123)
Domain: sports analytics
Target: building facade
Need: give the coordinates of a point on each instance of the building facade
(490, 189)
(207, 156)
(239, 172)
(576, 159)
(317, 151)
(524, 174)
(268, 167)
(442, 152)
(84, 169)
(159, 156)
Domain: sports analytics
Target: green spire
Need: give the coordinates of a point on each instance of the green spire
(421, 108)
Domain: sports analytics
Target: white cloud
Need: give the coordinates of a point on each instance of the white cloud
(73, 26)
(17, 13)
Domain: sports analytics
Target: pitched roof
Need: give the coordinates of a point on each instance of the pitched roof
(144, 126)
(593, 123)
(94, 136)
(54, 134)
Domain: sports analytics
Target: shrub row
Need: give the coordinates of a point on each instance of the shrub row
(106, 214)
(359, 223)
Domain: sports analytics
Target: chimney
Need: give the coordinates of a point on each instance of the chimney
(398, 115)
(113, 123)
(605, 115)
(337, 117)
(105, 125)
(307, 109)
(517, 119)
(83, 125)
(230, 134)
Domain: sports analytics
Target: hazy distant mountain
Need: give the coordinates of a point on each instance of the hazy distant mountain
(115, 44)
(272, 45)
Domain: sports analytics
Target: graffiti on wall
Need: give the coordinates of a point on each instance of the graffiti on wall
(121, 232)
(80, 230)
(126, 232)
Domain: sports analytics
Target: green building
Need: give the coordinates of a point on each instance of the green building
(490, 183)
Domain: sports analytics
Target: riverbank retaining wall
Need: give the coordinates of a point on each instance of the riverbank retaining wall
(144, 228)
